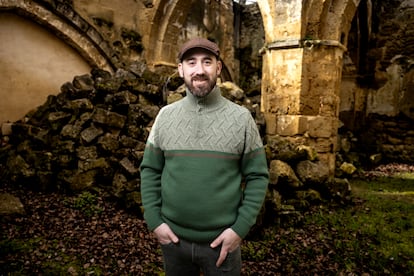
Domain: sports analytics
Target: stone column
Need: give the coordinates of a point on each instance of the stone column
(300, 81)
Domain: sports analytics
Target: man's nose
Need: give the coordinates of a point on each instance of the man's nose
(199, 68)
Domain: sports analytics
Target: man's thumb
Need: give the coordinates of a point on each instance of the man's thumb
(174, 238)
(216, 242)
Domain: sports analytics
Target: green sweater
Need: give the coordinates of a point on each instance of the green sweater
(198, 153)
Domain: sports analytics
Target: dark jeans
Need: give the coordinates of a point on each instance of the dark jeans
(188, 259)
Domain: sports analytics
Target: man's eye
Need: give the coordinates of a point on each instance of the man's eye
(207, 62)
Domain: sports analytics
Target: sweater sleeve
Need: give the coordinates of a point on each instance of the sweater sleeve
(255, 171)
(151, 170)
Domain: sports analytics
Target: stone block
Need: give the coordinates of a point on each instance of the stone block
(329, 105)
(321, 127)
(271, 119)
(10, 205)
(112, 119)
(323, 144)
(6, 129)
(312, 172)
(290, 125)
(329, 160)
(283, 175)
(89, 134)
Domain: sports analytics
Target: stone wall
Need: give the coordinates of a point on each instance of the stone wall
(392, 137)
(251, 40)
(377, 99)
(161, 27)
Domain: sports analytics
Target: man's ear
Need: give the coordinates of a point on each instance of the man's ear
(219, 67)
(180, 70)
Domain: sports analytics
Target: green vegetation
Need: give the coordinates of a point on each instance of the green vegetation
(387, 218)
(88, 203)
(374, 235)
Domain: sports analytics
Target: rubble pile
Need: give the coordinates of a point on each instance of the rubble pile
(91, 136)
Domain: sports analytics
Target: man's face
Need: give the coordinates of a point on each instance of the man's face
(199, 69)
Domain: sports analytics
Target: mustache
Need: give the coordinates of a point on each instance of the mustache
(199, 78)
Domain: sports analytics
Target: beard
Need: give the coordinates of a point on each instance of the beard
(200, 85)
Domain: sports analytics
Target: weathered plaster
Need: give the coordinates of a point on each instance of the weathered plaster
(33, 65)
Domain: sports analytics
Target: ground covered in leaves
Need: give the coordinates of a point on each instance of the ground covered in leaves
(86, 235)
(76, 235)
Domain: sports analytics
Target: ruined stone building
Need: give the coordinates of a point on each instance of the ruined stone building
(324, 68)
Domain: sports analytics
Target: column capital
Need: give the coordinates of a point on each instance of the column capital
(308, 44)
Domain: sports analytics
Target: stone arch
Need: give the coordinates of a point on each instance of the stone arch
(166, 29)
(164, 33)
(326, 26)
(68, 26)
(329, 20)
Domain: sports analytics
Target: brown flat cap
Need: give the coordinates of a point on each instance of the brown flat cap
(199, 42)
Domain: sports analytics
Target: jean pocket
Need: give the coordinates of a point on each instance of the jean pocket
(232, 261)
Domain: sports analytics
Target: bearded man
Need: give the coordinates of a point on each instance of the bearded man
(199, 150)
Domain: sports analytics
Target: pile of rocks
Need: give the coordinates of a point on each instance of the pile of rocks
(299, 180)
(91, 136)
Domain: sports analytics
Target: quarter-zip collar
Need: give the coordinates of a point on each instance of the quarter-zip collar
(210, 102)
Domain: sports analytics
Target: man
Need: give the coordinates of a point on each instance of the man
(199, 151)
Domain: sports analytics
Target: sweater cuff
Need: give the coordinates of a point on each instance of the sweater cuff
(241, 227)
(153, 220)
